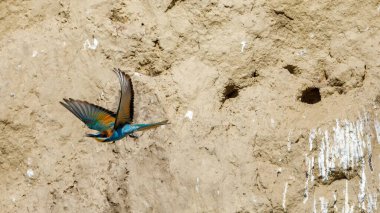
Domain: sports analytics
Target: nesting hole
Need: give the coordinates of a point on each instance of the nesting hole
(255, 74)
(230, 91)
(294, 70)
(377, 99)
(311, 95)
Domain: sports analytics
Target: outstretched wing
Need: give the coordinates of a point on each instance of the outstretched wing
(95, 117)
(124, 113)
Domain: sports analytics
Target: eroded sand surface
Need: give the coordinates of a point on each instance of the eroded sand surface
(232, 76)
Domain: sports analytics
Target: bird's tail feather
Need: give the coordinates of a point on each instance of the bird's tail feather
(94, 135)
(143, 127)
(100, 137)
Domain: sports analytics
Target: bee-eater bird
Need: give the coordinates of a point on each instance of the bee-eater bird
(110, 126)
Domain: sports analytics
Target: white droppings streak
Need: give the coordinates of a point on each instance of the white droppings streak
(289, 145)
(372, 202)
(311, 138)
(377, 129)
(284, 196)
(306, 191)
(311, 171)
(362, 193)
(321, 161)
(324, 204)
(314, 206)
(347, 146)
(197, 185)
(88, 45)
(309, 175)
(369, 151)
(347, 208)
(243, 45)
(189, 115)
(335, 207)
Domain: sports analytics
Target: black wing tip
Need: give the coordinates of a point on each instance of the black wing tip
(64, 103)
(68, 100)
(116, 69)
(120, 73)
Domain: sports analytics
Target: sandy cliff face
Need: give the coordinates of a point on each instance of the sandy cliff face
(273, 105)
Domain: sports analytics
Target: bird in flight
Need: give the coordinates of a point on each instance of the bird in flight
(110, 126)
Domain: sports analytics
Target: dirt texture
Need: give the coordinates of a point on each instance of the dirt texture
(273, 105)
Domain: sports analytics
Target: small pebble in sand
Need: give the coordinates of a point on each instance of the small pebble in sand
(278, 171)
(301, 52)
(272, 123)
(88, 45)
(35, 53)
(29, 161)
(30, 173)
(189, 115)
